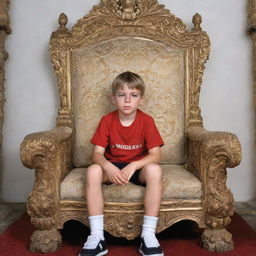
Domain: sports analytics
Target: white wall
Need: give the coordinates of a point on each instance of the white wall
(226, 98)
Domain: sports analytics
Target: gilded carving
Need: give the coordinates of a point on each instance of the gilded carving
(118, 224)
(47, 153)
(4, 30)
(251, 16)
(60, 57)
(153, 22)
(218, 150)
(209, 153)
(251, 30)
(45, 241)
(4, 16)
(219, 240)
(127, 9)
(125, 219)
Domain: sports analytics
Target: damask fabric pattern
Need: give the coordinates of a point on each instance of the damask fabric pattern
(178, 184)
(162, 69)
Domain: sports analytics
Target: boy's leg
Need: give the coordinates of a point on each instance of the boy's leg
(151, 174)
(95, 244)
(93, 190)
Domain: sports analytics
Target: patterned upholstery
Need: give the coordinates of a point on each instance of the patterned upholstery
(162, 69)
(178, 184)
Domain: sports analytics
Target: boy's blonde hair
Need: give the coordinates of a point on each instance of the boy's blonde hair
(132, 80)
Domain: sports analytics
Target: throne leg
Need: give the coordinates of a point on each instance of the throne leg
(46, 238)
(217, 240)
(45, 241)
(215, 237)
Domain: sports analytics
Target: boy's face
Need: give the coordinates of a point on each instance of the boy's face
(127, 100)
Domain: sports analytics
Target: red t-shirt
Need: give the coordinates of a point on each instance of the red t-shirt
(127, 144)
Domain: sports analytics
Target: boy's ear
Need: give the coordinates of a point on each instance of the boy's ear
(113, 99)
(142, 101)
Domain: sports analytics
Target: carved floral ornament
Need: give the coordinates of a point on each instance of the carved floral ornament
(144, 17)
(127, 9)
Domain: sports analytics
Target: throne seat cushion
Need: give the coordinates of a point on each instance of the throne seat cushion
(178, 184)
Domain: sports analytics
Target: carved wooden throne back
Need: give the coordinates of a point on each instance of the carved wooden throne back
(146, 39)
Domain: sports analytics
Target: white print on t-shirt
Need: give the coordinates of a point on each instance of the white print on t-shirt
(127, 147)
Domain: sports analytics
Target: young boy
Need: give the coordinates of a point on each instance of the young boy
(127, 148)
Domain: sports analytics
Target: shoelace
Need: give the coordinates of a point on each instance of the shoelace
(92, 242)
(151, 241)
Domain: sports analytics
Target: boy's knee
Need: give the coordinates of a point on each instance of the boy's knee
(94, 172)
(153, 171)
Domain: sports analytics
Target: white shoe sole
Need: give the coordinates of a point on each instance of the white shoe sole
(161, 254)
(101, 253)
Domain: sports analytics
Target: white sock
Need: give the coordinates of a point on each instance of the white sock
(149, 225)
(96, 225)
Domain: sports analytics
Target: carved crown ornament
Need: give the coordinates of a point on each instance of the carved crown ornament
(126, 9)
(129, 18)
(143, 17)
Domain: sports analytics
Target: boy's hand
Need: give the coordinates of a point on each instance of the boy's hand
(113, 173)
(115, 176)
(128, 171)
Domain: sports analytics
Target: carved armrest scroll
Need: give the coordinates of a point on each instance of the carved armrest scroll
(49, 153)
(209, 154)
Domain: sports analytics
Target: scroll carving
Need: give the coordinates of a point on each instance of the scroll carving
(43, 202)
(4, 30)
(118, 224)
(129, 225)
(218, 150)
(41, 151)
(49, 153)
(222, 152)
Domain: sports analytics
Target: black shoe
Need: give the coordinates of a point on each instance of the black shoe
(150, 247)
(94, 246)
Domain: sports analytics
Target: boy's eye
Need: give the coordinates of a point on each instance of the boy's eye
(135, 95)
(120, 95)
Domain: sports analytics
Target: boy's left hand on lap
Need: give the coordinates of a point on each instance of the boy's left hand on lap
(128, 171)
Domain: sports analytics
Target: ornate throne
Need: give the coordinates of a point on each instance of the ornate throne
(141, 36)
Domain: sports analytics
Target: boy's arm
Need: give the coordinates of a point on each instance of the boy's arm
(113, 173)
(152, 157)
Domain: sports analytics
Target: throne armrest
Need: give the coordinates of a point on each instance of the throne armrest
(49, 153)
(209, 154)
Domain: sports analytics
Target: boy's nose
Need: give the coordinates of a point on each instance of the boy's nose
(127, 98)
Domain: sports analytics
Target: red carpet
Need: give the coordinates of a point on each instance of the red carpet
(182, 239)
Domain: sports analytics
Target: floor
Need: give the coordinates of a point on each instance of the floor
(9, 212)
(248, 211)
